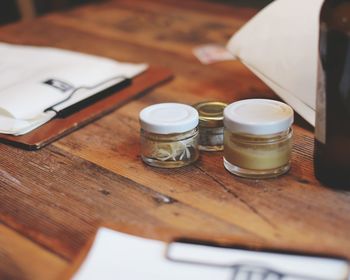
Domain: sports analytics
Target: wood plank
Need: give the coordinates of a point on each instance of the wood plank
(147, 36)
(149, 25)
(59, 200)
(20, 258)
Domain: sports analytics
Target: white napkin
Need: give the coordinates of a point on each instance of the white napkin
(280, 45)
(33, 79)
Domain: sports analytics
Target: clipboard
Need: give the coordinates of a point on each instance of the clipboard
(88, 111)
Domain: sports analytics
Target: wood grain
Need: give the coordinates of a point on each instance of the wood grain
(57, 197)
(21, 258)
(69, 197)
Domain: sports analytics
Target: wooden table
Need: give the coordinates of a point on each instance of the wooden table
(53, 200)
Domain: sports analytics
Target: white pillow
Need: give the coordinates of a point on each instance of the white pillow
(280, 45)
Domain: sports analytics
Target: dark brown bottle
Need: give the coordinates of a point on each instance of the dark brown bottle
(332, 131)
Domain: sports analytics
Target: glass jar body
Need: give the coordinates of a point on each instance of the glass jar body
(211, 138)
(257, 156)
(169, 150)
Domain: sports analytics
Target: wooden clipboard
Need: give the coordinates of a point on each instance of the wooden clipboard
(59, 127)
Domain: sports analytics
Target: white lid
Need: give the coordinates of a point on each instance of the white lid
(258, 116)
(166, 118)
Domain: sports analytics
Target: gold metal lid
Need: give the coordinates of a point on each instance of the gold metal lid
(210, 113)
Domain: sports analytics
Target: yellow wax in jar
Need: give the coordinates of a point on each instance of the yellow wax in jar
(258, 154)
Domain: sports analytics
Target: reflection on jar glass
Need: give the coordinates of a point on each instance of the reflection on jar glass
(169, 135)
(169, 150)
(258, 138)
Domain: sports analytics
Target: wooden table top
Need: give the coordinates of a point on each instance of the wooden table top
(53, 200)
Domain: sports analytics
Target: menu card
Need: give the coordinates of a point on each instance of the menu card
(116, 255)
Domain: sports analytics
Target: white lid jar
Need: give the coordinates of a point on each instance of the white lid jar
(258, 138)
(169, 135)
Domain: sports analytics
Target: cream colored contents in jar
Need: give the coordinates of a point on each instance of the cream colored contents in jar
(258, 152)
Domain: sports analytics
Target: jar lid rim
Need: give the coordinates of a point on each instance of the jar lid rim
(166, 118)
(211, 113)
(258, 116)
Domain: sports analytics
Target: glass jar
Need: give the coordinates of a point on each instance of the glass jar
(169, 135)
(211, 126)
(258, 138)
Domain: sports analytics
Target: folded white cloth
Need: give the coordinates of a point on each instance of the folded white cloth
(280, 45)
(33, 79)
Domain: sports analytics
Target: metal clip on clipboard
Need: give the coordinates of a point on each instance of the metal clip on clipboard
(246, 264)
(75, 102)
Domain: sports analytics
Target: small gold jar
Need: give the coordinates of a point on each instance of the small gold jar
(169, 135)
(258, 138)
(211, 125)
